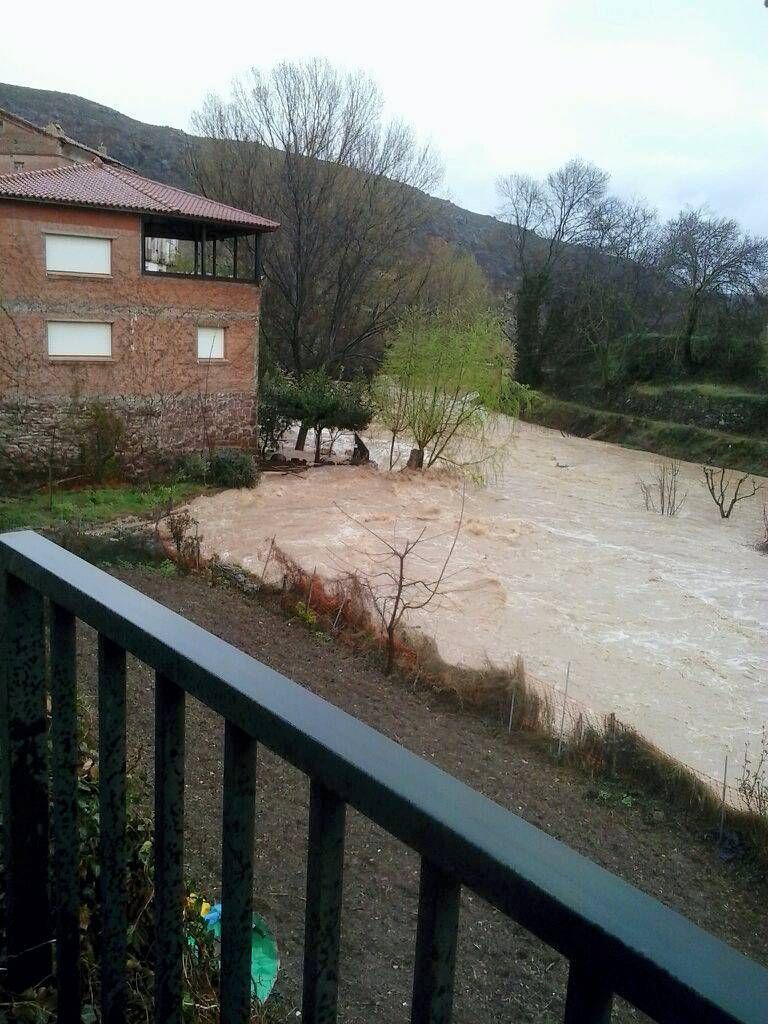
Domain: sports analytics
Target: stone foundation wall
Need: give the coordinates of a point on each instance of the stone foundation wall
(158, 429)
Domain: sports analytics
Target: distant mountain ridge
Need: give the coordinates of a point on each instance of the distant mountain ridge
(158, 152)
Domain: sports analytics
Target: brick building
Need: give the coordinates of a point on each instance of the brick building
(117, 288)
(28, 147)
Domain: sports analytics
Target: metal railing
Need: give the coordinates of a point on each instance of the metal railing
(617, 939)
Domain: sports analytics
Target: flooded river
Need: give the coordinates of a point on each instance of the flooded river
(664, 620)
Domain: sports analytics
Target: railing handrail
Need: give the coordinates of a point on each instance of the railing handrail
(651, 955)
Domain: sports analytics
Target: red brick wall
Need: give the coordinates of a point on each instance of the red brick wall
(154, 322)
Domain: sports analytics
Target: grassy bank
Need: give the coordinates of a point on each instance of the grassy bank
(90, 505)
(676, 440)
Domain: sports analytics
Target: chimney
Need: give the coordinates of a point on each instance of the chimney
(102, 149)
(54, 128)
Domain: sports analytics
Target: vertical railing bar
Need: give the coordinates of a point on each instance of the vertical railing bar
(436, 935)
(325, 868)
(238, 824)
(589, 1000)
(112, 769)
(169, 849)
(23, 742)
(64, 750)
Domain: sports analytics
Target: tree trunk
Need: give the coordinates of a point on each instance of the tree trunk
(416, 459)
(390, 652)
(301, 437)
(318, 440)
(529, 312)
(692, 323)
(360, 455)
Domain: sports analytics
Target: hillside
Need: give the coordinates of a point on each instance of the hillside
(158, 151)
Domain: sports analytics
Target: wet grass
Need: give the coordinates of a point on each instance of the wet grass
(90, 505)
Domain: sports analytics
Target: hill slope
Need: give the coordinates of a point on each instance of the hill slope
(158, 151)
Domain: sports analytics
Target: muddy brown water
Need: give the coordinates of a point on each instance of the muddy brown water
(662, 619)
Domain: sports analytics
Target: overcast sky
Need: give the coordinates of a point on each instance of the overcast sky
(669, 96)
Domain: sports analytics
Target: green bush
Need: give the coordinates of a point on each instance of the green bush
(12, 519)
(193, 468)
(732, 358)
(65, 510)
(278, 408)
(100, 432)
(230, 467)
(649, 357)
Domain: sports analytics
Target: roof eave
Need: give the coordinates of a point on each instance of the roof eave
(267, 228)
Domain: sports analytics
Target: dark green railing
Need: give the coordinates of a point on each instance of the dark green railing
(618, 940)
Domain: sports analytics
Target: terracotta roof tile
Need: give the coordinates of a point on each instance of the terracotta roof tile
(98, 184)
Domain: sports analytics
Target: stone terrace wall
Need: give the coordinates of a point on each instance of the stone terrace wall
(158, 430)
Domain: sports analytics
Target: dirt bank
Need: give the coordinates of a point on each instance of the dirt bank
(503, 974)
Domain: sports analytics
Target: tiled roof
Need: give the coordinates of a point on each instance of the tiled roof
(7, 115)
(102, 185)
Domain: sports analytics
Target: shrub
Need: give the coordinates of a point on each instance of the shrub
(277, 408)
(231, 467)
(65, 510)
(12, 519)
(660, 494)
(200, 955)
(324, 403)
(193, 468)
(100, 433)
(648, 357)
(179, 525)
(732, 357)
(752, 782)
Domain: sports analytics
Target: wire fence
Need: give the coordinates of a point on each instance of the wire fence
(577, 732)
(571, 718)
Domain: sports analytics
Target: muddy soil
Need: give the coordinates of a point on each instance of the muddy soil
(503, 974)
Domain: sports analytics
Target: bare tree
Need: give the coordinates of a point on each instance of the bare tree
(706, 256)
(392, 587)
(308, 145)
(661, 494)
(546, 216)
(609, 285)
(725, 488)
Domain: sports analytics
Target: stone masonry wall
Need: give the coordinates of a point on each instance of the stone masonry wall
(158, 429)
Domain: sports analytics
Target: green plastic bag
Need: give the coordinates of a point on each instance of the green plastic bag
(265, 960)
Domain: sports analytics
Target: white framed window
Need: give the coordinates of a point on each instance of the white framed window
(78, 254)
(210, 342)
(79, 340)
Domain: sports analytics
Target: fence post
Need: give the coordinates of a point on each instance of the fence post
(612, 720)
(263, 579)
(311, 587)
(722, 805)
(565, 704)
(23, 740)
